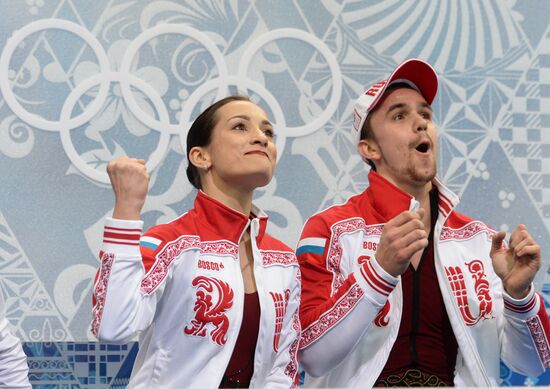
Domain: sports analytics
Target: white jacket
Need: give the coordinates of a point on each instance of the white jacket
(181, 291)
(351, 308)
(14, 370)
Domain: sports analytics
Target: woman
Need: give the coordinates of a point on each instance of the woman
(212, 297)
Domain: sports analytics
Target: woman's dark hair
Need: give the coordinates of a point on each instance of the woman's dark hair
(200, 134)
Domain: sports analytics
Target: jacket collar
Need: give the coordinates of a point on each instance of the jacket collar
(447, 199)
(389, 201)
(224, 222)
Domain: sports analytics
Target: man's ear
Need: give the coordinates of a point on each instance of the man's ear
(199, 157)
(368, 149)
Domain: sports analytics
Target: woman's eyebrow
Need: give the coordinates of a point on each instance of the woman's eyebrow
(245, 117)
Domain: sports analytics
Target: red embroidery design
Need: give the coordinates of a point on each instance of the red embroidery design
(100, 289)
(481, 286)
(466, 232)
(172, 250)
(285, 258)
(330, 318)
(381, 319)
(220, 247)
(281, 303)
(539, 338)
(291, 369)
(334, 255)
(214, 298)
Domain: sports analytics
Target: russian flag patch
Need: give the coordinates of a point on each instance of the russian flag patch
(311, 245)
(149, 243)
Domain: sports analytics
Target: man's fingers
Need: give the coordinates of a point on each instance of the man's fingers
(525, 240)
(527, 247)
(418, 245)
(403, 223)
(497, 240)
(412, 236)
(403, 218)
(404, 234)
(404, 229)
(519, 234)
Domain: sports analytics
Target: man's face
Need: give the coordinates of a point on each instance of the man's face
(403, 145)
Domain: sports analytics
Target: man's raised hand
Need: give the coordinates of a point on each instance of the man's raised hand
(402, 238)
(517, 264)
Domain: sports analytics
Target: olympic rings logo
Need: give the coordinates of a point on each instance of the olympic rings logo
(162, 124)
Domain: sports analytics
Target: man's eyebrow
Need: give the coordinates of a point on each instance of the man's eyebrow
(396, 106)
(426, 105)
(403, 105)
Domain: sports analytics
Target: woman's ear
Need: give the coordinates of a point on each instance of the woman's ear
(368, 149)
(199, 157)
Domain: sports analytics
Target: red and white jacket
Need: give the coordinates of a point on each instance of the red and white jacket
(179, 287)
(351, 308)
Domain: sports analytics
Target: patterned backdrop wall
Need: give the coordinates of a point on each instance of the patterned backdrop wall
(83, 82)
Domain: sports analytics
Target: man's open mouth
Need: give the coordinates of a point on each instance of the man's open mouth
(423, 147)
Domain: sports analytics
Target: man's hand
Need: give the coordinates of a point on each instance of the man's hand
(402, 238)
(130, 182)
(518, 264)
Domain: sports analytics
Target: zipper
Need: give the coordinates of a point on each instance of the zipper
(415, 316)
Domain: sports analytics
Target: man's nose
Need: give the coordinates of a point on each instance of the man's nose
(421, 123)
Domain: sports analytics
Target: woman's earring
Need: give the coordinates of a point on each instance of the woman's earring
(206, 167)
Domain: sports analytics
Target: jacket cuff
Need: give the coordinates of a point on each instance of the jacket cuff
(377, 284)
(122, 236)
(523, 308)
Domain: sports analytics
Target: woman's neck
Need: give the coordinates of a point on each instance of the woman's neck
(235, 198)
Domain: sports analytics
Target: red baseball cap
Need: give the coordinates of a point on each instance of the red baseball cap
(414, 72)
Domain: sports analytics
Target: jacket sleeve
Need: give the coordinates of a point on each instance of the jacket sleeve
(284, 373)
(525, 334)
(14, 370)
(336, 311)
(123, 304)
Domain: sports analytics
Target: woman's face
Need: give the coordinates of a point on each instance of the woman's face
(242, 151)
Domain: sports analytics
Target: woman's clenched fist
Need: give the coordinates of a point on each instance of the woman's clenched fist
(130, 182)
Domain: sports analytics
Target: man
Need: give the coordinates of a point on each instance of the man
(13, 361)
(398, 289)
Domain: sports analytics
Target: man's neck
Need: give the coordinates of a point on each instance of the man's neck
(421, 192)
